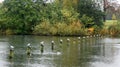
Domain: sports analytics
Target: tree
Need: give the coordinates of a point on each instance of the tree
(22, 15)
(110, 7)
(113, 17)
(90, 9)
(70, 3)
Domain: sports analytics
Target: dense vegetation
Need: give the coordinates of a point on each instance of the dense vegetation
(61, 17)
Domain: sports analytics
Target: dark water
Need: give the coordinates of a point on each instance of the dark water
(86, 52)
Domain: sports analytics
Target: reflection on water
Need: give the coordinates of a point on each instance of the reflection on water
(86, 52)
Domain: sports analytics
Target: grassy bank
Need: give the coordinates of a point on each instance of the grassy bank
(111, 27)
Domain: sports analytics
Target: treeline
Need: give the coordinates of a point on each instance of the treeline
(61, 17)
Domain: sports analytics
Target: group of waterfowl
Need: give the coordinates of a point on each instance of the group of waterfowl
(28, 51)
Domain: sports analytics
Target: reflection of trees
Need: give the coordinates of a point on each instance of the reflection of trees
(83, 53)
(78, 54)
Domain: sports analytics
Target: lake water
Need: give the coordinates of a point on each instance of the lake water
(86, 52)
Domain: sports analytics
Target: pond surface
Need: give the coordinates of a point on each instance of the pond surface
(86, 52)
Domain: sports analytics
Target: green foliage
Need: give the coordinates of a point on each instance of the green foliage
(60, 28)
(53, 30)
(97, 29)
(52, 12)
(58, 14)
(114, 17)
(111, 28)
(9, 32)
(70, 3)
(57, 18)
(89, 8)
(21, 15)
(42, 28)
(74, 28)
(87, 21)
(69, 15)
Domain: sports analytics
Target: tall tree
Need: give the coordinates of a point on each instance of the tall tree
(22, 15)
(108, 4)
(70, 3)
(90, 9)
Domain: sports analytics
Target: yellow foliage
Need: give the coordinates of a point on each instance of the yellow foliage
(113, 17)
(9, 32)
(74, 28)
(90, 30)
(67, 3)
(60, 27)
(104, 32)
(66, 13)
(42, 28)
(70, 3)
(53, 31)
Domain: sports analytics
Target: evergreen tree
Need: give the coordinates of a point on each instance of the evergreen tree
(22, 15)
(90, 9)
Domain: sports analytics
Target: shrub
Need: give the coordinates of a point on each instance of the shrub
(60, 28)
(87, 21)
(113, 30)
(114, 17)
(75, 27)
(96, 29)
(9, 32)
(104, 32)
(42, 28)
(53, 30)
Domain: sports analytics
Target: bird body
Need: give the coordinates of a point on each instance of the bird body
(11, 52)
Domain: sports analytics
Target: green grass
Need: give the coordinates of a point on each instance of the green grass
(108, 23)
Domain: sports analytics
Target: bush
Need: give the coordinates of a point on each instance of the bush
(9, 32)
(74, 28)
(97, 29)
(113, 30)
(114, 17)
(87, 21)
(60, 28)
(42, 28)
(104, 32)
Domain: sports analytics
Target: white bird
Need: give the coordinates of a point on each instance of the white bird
(83, 37)
(91, 36)
(53, 42)
(68, 39)
(58, 53)
(42, 43)
(12, 47)
(87, 36)
(28, 44)
(61, 41)
(79, 38)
